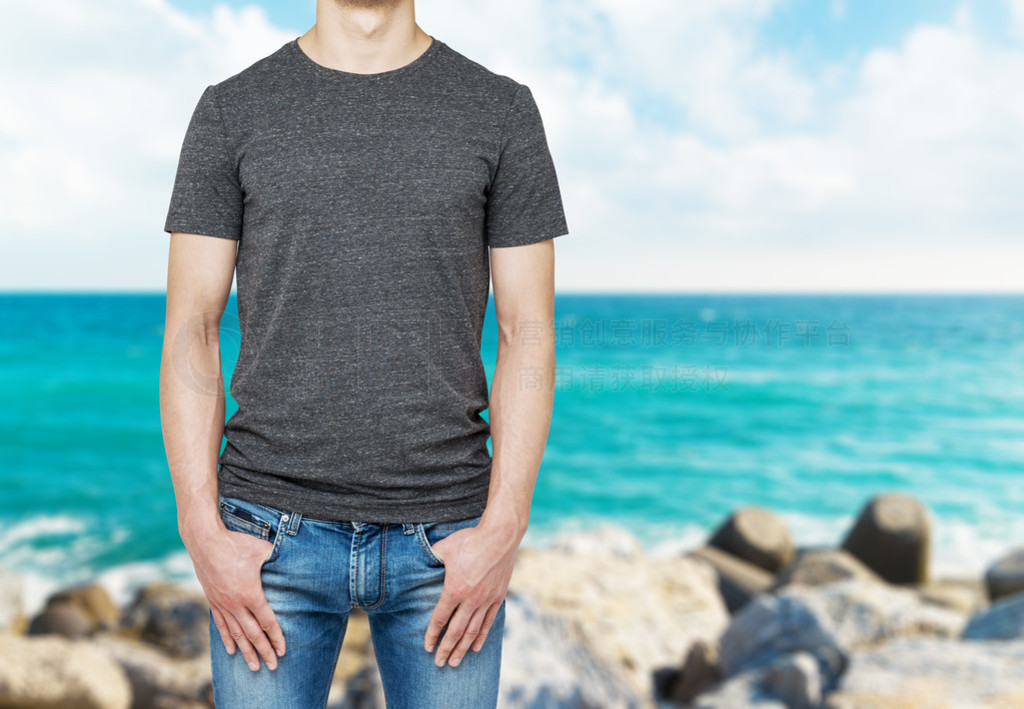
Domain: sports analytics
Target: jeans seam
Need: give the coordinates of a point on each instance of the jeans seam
(337, 653)
(383, 567)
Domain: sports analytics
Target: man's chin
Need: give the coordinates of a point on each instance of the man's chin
(369, 4)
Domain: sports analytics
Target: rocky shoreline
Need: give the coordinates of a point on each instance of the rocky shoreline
(748, 619)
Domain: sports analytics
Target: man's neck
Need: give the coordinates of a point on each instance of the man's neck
(364, 40)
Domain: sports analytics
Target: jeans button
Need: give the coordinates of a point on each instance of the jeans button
(284, 518)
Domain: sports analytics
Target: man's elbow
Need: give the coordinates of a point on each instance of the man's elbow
(534, 331)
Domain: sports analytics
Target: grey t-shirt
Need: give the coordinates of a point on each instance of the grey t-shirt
(364, 206)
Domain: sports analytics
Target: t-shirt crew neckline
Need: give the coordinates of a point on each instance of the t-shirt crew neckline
(338, 74)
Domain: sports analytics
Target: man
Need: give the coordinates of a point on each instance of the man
(367, 182)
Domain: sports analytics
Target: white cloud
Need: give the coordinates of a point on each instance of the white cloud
(770, 183)
(1016, 8)
(767, 186)
(93, 107)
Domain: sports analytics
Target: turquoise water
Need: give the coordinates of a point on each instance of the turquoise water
(671, 411)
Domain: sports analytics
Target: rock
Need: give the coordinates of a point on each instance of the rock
(1003, 620)
(892, 537)
(698, 672)
(94, 602)
(158, 679)
(787, 682)
(12, 602)
(965, 596)
(638, 613)
(829, 622)
(53, 672)
(819, 566)
(59, 618)
(1005, 576)
(550, 662)
(926, 673)
(742, 691)
(738, 581)
(756, 536)
(795, 679)
(172, 618)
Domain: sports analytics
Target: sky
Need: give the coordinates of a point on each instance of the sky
(726, 146)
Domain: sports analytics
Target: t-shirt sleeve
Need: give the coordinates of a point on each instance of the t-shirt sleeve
(524, 203)
(207, 195)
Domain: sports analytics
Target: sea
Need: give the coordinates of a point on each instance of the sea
(671, 411)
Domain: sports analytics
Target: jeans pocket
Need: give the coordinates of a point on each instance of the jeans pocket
(430, 533)
(255, 520)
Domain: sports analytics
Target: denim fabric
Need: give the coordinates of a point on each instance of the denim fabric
(315, 574)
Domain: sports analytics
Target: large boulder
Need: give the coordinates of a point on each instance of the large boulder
(53, 672)
(829, 622)
(757, 536)
(741, 691)
(795, 679)
(94, 602)
(638, 612)
(175, 619)
(738, 581)
(965, 595)
(933, 672)
(892, 537)
(1003, 620)
(787, 682)
(1005, 576)
(817, 566)
(699, 672)
(61, 618)
(551, 662)
(158, 679)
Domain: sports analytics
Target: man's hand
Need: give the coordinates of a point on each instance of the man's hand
(478, 567)
(228, 566)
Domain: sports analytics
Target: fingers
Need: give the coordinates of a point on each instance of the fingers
(442, 612)
(258, 638)
(248, 636)
(457, 627)
(241, 641)
(268, 622)
(472, 633)
(488, 623)
(222, 626)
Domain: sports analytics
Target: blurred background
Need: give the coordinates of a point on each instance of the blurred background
(793, 278)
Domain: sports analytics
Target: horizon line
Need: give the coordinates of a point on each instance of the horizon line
(584, 292)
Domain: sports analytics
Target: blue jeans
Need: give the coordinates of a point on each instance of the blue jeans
(318, 571)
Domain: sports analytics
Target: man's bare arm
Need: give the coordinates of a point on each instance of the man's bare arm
(479, 560)
(523, 390)
(199, 274)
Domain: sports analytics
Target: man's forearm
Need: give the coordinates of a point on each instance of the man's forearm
(522, 396)
(192, 419)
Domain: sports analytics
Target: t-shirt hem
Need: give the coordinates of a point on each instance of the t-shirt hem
(524, 239)
(193, 228)
(440, 511)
